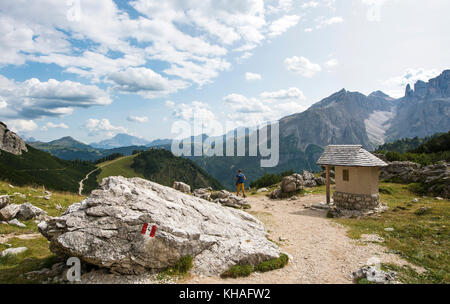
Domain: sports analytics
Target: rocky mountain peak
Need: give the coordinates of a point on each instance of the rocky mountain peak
(380, 94)
(408, 91)
(435, 87)
(10, 141)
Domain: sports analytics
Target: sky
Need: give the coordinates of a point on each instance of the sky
(93, 69)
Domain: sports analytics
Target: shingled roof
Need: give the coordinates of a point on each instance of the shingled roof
(349, 155)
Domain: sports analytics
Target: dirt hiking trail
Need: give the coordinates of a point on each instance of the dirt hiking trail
(319, 249)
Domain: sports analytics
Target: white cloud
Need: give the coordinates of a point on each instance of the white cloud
(270, 106)
(33, 98)
(51, 125)
(322, 22)
(281, 25)
(331, 63)
(252, 76)
(140, 119)
(21, 125)
(103, 128)
(195, 110)
(3, 104)
(310, 4)
(302, 66)
(244, 56)
(282, 6)
(145, 82)
(193, 38)
(289, 94)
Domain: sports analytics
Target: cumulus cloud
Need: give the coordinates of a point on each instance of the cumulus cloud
(140, 119)
(302, 66)
(195, 110)
(145, 82)
(21, 125)
(289, 94)
(322, 22)
(51, 125)
(192, 38)
(33, 98)
(281, 25)
(269, 106)
(103, 127)
(252, 76)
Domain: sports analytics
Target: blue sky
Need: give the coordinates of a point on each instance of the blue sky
(92, 69)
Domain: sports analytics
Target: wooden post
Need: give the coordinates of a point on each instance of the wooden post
(328, 184)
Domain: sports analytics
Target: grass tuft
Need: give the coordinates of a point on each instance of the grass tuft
(273, 264)
(180, 269)
(237, 271)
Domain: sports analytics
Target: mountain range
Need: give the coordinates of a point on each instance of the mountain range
(347, 118)
(69, 148)
(342, 118)
(120, 140)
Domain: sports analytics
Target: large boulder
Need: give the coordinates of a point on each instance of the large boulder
(180, 186)
(307, 175)
(320, 181)
(28, 211)
(4, 200)
(288, 186)
(105, 230)
(292, 183)
(9, 212)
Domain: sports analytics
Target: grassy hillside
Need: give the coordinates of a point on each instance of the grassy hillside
(38, 255)
(421, 237)
(119, 166)
(36, 167)
(163, 167)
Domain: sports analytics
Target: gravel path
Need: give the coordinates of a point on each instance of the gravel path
(320, 251)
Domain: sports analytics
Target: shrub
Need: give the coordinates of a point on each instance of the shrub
(273, 264)
(238, 271)
(417, 188)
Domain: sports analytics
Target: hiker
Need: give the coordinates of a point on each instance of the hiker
(240, 178)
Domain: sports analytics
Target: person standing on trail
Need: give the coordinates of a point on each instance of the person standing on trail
(240, 179)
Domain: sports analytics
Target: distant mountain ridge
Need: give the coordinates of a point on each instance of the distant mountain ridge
(69, 148)
(342, 118)
(120, 140)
